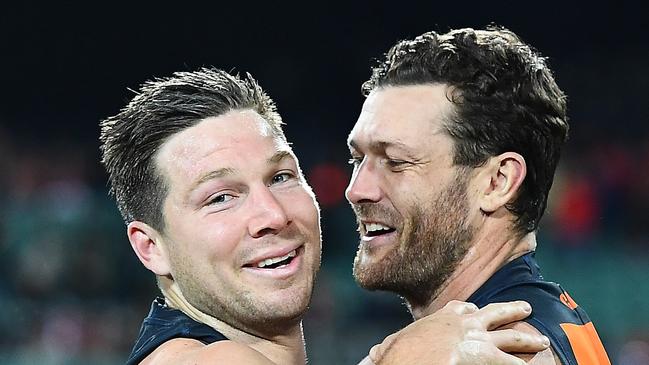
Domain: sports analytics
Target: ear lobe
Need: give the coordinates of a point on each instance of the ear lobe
(147, 244)
(506, 173)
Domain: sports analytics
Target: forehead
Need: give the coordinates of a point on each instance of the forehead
(237, 138)
(408, 115)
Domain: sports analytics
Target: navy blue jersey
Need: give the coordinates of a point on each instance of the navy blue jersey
(554, 313)
(163, 324)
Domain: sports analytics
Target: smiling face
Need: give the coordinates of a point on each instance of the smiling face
(242, 233)
(410, 200)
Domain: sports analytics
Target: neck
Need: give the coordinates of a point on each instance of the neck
(490, 252)
(286, 348)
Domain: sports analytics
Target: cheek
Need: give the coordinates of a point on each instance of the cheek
(305, 209)
(299, 203)
(407, 195)
(209, 238)
(400, 186)
(222, 236)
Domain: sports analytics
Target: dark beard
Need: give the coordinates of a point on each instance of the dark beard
(433, 241)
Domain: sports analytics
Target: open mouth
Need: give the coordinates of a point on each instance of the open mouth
(376, 229)
(275, 262)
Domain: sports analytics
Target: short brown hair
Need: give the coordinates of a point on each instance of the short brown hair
(506, 99)
(162, 108)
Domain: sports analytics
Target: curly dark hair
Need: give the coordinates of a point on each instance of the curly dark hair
(162, 108)
(505, 99)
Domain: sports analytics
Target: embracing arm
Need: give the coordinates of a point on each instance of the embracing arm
(459, 334)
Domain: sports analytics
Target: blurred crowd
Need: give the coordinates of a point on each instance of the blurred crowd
(73, 292)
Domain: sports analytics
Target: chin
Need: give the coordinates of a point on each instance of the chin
(366, 278)
(281, 317)
(369, 260)
(375, 271)
(291, 304)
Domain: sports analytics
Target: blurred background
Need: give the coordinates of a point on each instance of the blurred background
(71, 290)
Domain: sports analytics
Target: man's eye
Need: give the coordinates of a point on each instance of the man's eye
(282, 177)
(221, 198)
(392, 163)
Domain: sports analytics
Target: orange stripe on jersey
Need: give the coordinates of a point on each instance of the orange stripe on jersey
(567, 300)
(585, 343)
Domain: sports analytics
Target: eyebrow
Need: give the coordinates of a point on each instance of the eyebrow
(228, 171)
(380, 145)
(279, 156)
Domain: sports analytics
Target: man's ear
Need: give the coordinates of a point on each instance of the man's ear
(148, 246)
(501, 178)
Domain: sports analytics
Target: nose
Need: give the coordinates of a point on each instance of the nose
(268, 214)
(364, 185)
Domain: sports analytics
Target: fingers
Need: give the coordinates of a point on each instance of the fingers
(511, 340)
(506, 359)
(479, 352)
(460, 308)
(498, 314)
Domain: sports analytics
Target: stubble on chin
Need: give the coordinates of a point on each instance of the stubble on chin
(433, 241)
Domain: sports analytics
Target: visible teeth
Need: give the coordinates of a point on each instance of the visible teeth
(371, 227)
(264, 263)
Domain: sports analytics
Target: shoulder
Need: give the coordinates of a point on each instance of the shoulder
(551, 305)
(556, 315)
(163, 325)
(545, 357)
(185, 351)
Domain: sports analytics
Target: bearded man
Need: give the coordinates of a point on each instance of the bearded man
(454, 154)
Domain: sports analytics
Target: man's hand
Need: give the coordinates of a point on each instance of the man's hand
(459, 334)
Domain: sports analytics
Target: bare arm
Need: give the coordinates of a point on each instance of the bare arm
(460, 334)
(183, 351)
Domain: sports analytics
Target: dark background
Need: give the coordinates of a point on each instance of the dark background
(72, 292)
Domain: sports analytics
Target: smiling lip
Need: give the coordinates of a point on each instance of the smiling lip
(281, 272)
(381, 239)
(384, 239)
(277, 252)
